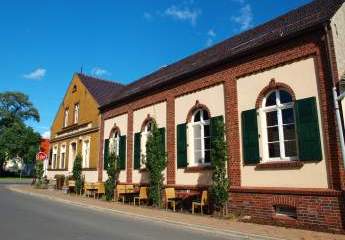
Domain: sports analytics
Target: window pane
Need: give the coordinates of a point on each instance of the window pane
(197, 131)
(207, 156)
(197, 116)
(289, 132)
(290, 149)
(205, 115)
(273, 134)
(197, 144)
(288, 116)
(206, 130)
(197, 157)
(271, 118)
(207, 142)
(285, 97)
(271, 99)
(274, 150)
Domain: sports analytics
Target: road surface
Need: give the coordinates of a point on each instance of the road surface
(24, 217)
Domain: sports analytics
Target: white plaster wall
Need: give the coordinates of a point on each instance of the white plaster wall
(301, 77)
(51, 174)
(158, 112)
(213, 98)
(121, 122)
(338, 30)
(91, 176)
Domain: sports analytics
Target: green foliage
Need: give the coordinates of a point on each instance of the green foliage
(77, 173)
(113, 170)
(155, 164)
(17, 139)
(39, 173)
(219, 188)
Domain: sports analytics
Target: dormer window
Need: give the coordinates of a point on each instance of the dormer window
(74, 88)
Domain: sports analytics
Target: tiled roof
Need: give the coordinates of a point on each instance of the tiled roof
(288, 25)
(100, 89)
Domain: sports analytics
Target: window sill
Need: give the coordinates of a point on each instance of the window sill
(57, 169)
(198, 168)
(280, 165)
(89, 169)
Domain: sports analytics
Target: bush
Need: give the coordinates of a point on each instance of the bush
(155, 164)
(112, 171)
(220, 185)
(39, 173)
(77, 173)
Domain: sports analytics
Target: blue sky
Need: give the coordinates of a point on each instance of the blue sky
(42, 43)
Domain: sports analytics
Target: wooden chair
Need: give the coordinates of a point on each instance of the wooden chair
(129, 188)
(142, 195)
(170, 197)
(100, 189)
(120, 188)
(88, 187)
(71, 185)
(202, 203)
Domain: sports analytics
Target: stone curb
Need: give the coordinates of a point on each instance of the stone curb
(203, 228)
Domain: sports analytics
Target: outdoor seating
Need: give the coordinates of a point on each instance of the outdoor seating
(100, 189)
(123, 191)
(203, 202)
(89, 188)
(170, 198)
(71, 185)
(142, 195)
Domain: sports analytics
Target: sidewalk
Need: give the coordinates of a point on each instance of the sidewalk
(205, 223)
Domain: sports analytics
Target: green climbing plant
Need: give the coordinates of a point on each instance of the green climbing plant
(39, 173)
(155, 161)
(220, 184)
(77, 173)
(113, 170)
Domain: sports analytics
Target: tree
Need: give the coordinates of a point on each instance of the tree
(219, 188)
(39, 173)
(77, 173)
(112, 171)
(16, 106)
(155, 164)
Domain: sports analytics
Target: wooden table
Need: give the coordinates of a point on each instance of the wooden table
(129, 195)
(187, 198)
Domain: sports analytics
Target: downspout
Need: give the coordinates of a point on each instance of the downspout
(336, 98)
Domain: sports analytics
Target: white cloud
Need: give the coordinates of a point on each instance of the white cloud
(46, 134)
(211, 35)
(245, 17)
(183, 14)
(148, 16)
(36, 74)
(97, 71)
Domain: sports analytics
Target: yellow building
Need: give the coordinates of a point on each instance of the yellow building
(75, 128)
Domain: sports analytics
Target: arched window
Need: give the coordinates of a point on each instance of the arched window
(144, 136)
(278, 109)
(201, 137)
(114, 142)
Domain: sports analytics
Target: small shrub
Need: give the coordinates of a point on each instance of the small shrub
(77, 173)
(39, 173)
(112, 171)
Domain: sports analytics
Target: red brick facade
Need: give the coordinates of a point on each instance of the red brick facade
(316, 209)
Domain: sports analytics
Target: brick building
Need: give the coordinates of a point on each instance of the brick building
(272, 86)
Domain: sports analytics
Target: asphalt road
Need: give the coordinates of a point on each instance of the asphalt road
(24, 217)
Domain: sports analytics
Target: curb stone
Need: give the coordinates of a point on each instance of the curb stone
(203, 228)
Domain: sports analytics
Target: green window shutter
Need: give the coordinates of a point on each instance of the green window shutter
(106, 153)
(162, 133)
(122, 152)
(308, 132)
(182, 146)
(215, 133)
(137, 151)
(250, 137)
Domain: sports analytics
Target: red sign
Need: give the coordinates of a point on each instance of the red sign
(40, 156)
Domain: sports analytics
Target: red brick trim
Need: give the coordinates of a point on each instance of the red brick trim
(293, 191)
(273, 85)
(198, 168)
(170, 118)
(114, 130)
(146, 121)
(129, 145)
(196, 107)
(284, 201)
(280, 165)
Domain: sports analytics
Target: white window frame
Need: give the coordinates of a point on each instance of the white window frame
(278, 107)
(70, 157)
(114, 142)
(54, 156)
(76, 113)
(62, 151)
(144, 136)
(86, 156)
(65, 121)
(202, 123)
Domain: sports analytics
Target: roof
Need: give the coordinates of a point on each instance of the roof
(288, 25)
(100, 89)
